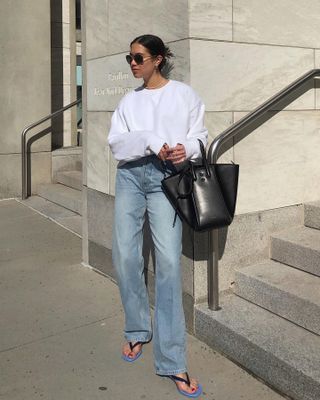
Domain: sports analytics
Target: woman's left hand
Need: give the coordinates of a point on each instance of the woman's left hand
(177, 154)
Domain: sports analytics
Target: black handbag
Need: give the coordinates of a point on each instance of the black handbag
(203, 195)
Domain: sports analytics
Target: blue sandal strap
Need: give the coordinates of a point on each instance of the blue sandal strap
(133, 346)
(177, 378)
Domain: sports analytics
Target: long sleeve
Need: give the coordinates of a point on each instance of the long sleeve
(129, 145)
(197, 130)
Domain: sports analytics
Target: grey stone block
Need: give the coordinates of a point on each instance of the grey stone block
(10, 177)
(281, 353)
(66, 159)
(100, 259)
(100, 217)
(62, 195)
(299, 247)
(312, 214)
(25, 30)
(104, 21)
(68, 151)
(72, 179)
(283, 290)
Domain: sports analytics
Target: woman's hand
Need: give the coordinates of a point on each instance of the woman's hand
(163, 153)
(177, 154)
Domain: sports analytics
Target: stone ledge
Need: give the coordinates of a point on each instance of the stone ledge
(281, 353)
(283, 290)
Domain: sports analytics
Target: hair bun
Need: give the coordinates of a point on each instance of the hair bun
(168, 52)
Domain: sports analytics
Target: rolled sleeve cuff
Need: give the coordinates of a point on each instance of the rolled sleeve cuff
(155, 144)
(192, 148)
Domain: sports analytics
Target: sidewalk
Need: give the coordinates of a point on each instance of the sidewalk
(61, 327)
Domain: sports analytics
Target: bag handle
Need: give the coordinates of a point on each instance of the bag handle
(204, 158)
(183, 173)
(189, 169)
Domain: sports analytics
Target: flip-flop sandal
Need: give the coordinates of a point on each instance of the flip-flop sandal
(177, 378)
(132, 346)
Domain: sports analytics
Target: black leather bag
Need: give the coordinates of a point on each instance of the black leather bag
(204, 195)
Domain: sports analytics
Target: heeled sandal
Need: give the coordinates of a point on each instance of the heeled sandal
(194, 394)
(132, 346)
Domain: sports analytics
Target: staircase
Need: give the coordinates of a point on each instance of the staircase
(270, 321)
(62, 200)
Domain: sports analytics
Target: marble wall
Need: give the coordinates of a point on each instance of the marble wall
(236, 66)
(235, 54)
(112, 24)
(285, 22)
(25, 94)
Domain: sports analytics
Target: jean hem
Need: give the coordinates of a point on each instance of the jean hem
(138, 338)
(173, 372)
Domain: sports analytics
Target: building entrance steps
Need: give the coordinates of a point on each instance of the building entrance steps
(280, 352)
(61, 326)
(298, 247)
(72, 179)
(270, 321)
(61, 200)
(283, 290)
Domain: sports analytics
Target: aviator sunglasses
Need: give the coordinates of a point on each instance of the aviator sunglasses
(138, 58)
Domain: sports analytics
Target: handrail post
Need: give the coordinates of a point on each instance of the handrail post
(213, 248)
(24, 193)
(24, 162)
(213, 245)
(213, 270)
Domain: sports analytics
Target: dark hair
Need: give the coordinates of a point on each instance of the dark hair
(156, 47)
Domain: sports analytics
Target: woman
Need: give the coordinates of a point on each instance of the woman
(154, 128)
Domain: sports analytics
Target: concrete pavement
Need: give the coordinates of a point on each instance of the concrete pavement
(61, 327)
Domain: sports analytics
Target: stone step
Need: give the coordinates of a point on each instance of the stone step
(47, 208)
(64, 196)
(68, 151)
(299, 247)
(66, 159)
(283, 354)
(67, 218)
(283, 290)
(72, 179)
(312, 214)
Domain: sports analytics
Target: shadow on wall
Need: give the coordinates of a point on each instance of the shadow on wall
(56, 71)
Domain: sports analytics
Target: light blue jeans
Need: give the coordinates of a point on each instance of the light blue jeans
(138, 190)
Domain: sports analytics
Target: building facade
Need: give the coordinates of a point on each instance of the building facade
(236, 54)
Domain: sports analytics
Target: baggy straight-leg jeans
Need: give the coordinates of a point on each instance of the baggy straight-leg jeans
(138, 190)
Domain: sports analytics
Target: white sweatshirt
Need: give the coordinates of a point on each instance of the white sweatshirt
(145, 119)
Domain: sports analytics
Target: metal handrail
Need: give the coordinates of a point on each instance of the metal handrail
(24, 193)
(222, 138)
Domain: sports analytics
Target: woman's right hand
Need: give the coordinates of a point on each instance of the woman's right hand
(163, 153)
